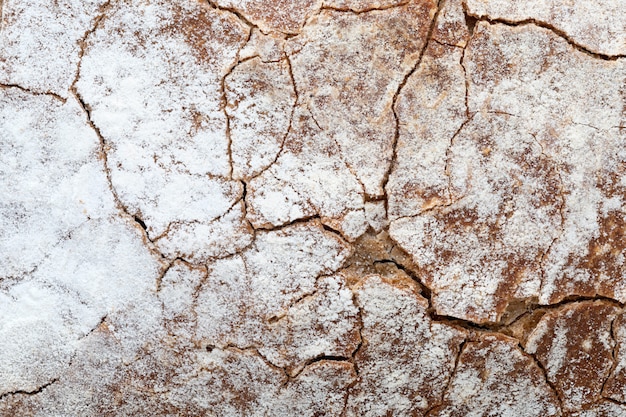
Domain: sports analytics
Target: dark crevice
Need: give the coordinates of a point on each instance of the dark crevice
(329, 358)
(104, 156)
(558, 32)
(231, 10)
(614, 401)
(353, 355)
(332, 230)
(316, 359)
(369, 198)
(301, 220)
(516, 310)
(100, 323)
(545, 375)
(425, 291)
(141, 223)
(103, 145)
(578, 298)
(470, 22)
(33, 392)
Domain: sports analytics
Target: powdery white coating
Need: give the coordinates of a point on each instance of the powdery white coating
(319, 390)
(131, 365)
(268, 47)
(406, 359)
(615, 386)
(69, 260)
(510, 72)
(494, 377)
(435, 92)
(23, 364)
(235, 383)
(475, 252)
(223, 236)
(597, 25)
(51, 178)
(526, 201)
(40, 42)
(603, 408)
(287, 16)
(347, 74)
(575, 346)
(177, 291)
(101, 267)
(363, 5)
(376, 215)
(308, 178)
(535, 199)
(260, 99)
(572, 105)
(588, 257)
(451, 28)
(321, 324)
(270, 297)
(158, 105)
(81, 388)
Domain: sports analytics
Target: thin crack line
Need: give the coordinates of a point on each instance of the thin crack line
(352, 10)
(545, 25)
(449, 383)
(224, 100)
(544, 371)
(394, 104)
(289, 127)
(614, 354)
(33, 392)
(33, 92)
(355, 352)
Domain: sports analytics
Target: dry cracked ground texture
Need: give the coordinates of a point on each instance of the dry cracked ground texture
(313, 208)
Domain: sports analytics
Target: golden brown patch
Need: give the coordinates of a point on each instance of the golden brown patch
(574, 345)
(202, 26)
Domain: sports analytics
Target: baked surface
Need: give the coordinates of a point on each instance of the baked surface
(307, 207)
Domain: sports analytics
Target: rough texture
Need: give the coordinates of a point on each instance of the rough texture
(406, 359)
(576, 349)
(598, 26)
(158, 107)
(524, 203)
(312, 208)
(41, 42)
(493, 377)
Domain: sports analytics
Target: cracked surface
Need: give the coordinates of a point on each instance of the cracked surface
(597, 26)
(338, 208)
